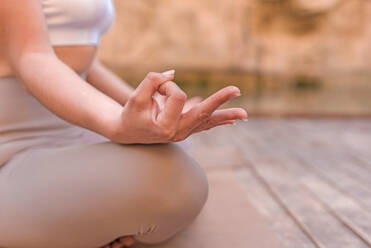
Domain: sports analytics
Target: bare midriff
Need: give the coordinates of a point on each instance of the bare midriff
(78, 58)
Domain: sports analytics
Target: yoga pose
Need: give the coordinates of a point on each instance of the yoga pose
(86, 160)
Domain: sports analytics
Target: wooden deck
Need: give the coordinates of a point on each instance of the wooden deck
(310, 178)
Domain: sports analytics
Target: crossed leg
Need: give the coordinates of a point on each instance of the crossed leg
(88, 195)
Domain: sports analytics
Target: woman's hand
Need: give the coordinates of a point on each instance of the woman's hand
(146, 119)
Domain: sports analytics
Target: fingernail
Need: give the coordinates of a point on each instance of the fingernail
(245, 119)
(237, 94)
(169, 73)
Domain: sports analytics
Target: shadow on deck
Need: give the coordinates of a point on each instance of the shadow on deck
(309, 178)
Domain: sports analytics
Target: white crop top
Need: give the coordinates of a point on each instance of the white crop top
(77, 22)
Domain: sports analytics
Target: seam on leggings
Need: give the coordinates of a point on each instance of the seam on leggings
(145, 231)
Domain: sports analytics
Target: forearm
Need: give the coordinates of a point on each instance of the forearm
(67, 95)
(109, 83)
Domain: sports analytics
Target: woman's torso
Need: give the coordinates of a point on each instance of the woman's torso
(24, 122)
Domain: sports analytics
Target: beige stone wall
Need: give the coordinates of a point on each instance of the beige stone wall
(287, 37)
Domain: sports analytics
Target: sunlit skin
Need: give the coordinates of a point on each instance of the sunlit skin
(157, 111)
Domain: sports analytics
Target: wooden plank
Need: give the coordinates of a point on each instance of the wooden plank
(346, 210)
(297, 146)
(346, 134)
(351, 179)
(334, 152)
(351, 215)
(308, 211)
(287, 231)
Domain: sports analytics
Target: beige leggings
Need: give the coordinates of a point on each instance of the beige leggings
(87, 195)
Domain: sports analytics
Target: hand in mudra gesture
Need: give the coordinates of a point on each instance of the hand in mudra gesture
(158, 112)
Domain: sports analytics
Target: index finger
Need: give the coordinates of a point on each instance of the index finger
(174, 102)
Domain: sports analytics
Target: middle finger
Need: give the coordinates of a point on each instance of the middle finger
(203, 111)
(174, 103)
(210, 104)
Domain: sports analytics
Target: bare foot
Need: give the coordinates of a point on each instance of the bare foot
(125, 241)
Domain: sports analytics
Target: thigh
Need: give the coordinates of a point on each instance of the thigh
(88, 195)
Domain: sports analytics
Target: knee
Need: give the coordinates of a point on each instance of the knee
(164, 174)
(184, 188)
(179, 195)
(180, 185)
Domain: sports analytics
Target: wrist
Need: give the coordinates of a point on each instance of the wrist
(128, 94)
(111, 127)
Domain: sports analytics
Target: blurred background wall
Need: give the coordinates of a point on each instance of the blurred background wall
(255, 43)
